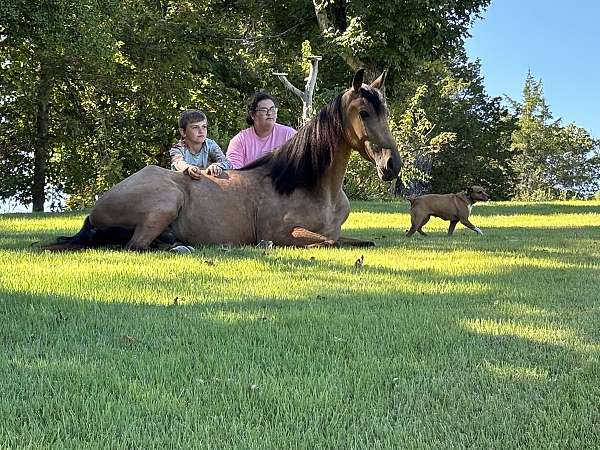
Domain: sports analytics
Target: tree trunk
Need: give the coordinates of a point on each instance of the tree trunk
(40, 151)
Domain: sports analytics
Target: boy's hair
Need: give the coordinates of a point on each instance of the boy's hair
(191, 116)
(253, 103)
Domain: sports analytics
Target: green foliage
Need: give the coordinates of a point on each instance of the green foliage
(119, 73)
(397, 34)
(361, 181)
(482, 127)
(551, 160)
(413, 130)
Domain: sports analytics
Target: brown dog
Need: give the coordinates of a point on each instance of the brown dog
(453, 207)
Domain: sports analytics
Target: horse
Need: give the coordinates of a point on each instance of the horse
(292, 196)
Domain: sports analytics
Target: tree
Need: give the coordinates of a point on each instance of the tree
(377, 34)
(532, 142)
(92, 90)
(58, 41)
(574, 169)
(550, 160)
(480, 153)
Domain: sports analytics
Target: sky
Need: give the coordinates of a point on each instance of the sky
(559, 41)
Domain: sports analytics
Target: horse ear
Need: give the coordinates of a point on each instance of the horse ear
(358, 80)
(378, 83)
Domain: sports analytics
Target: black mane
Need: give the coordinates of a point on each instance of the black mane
(302, 160)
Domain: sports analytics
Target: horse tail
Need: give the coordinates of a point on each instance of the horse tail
(83, 239)
(411, 199)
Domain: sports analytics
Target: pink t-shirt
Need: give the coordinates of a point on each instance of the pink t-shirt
(246, 146)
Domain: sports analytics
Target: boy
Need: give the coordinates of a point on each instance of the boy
(195, 151)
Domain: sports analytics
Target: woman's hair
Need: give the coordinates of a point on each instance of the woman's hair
(253, 103)
(191, 116)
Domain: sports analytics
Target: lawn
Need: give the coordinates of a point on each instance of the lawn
(438, 342)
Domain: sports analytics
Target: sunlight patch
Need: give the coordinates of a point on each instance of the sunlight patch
(544, 335)
(511, 372)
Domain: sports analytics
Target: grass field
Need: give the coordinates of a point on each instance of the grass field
(465, 342)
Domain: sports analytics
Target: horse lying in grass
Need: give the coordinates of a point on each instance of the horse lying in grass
(292, 196)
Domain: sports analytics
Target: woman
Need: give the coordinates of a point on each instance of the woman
(264, 133)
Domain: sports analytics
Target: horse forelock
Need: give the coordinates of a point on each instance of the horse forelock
(302, 160)
(374, 97)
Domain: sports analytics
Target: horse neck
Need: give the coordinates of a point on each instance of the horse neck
(332, 181)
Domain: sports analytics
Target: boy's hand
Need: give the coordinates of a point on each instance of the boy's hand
(194, 172)
(214, 169)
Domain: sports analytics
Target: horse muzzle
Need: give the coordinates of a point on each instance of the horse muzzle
(388, 164)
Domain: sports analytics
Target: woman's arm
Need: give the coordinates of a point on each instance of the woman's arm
(236, 152)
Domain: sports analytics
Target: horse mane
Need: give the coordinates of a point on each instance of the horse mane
(301, 161)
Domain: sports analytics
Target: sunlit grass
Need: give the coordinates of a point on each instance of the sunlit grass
(440, 342)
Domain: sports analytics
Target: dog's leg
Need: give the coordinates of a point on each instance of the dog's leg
(452, 227)
(413, 228)
(416, 225)
(468, 224)
(422, 224)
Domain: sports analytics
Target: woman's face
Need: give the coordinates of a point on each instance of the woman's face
(265, 114)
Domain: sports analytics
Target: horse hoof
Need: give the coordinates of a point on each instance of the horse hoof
(183, 249)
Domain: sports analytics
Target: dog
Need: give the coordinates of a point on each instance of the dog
(453, 207)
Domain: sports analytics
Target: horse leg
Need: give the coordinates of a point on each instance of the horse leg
(351, 242)
(301, 237)
(150, 228)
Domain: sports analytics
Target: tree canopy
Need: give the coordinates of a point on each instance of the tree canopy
(91, 91)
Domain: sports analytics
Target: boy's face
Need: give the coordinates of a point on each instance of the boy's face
(195, 132)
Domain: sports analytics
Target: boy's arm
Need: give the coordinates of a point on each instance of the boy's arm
(216, 155)
(177, 162)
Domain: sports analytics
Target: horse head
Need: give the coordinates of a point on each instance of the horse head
(366, 124)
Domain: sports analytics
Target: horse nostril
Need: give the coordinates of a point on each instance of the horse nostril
(392, 164)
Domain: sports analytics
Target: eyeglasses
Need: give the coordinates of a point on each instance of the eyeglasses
(271, 110)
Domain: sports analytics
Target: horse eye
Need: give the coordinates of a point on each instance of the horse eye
(363, 114)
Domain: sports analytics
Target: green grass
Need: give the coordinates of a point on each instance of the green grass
(471, 341)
